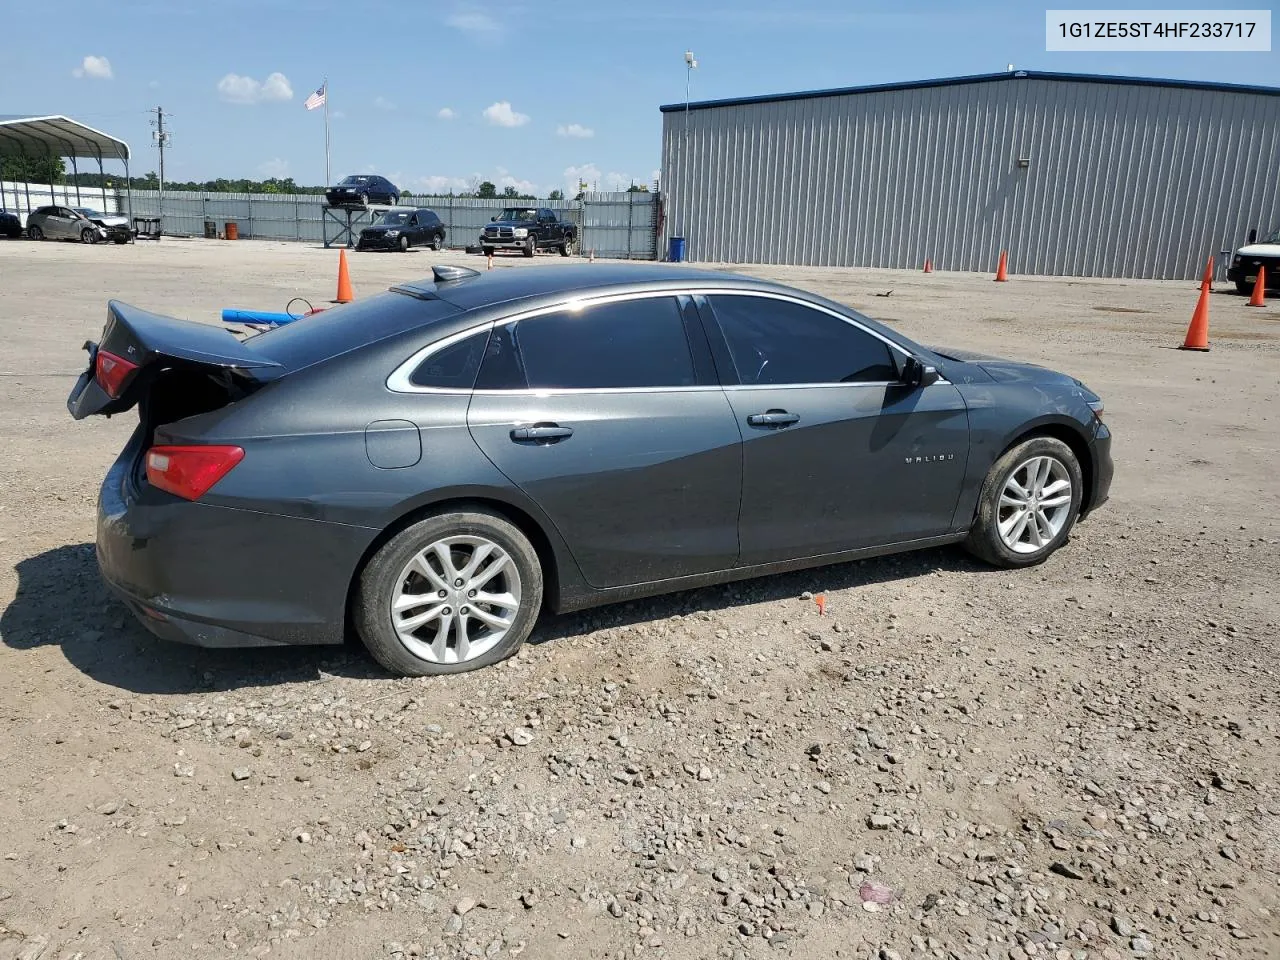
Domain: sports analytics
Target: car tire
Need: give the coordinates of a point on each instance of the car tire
(1017, 524)
(487, 251)
(530, 247)
(396, 572)
(566, 248)
(35, 233)
(364, 199)
(404, 244)
(1244, 289)
(122, 240)
(88, 236)
(437, 242)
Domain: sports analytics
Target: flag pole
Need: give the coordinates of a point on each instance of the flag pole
(328, 181)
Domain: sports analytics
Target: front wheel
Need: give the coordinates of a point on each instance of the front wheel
(530, 247)
(437, 242)
(88, 236)
(451, 593)
(404, 244)
(487, 251)
(1244, 289)
(1029, 503)
(35, 233)
(364, 199)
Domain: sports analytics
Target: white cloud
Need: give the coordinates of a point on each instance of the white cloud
(446, 113)
(96, 68)
(439, 184)
(338, 115)
(154, 84)
(475, 22)
(382, 103)
(237, 89)
(575, 130)
(522, 186)
(275, 167)
(500, 114)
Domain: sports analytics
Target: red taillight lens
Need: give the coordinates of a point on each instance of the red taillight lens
(189, 472)
(110, 371)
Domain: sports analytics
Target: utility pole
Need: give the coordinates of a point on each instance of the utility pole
(161, 138)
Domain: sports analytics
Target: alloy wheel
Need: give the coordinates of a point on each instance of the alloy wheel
(1035, 504)
(456, 599)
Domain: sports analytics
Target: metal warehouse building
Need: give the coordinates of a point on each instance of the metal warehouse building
(1075, 175)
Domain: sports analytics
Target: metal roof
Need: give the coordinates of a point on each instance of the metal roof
(976, 78)
(57, 136)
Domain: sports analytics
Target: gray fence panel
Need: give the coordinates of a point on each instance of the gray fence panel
(614, 225)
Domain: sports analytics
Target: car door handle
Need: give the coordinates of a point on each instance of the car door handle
(773, 418)
(542, 433)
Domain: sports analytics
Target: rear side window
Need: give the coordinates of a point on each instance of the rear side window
(781, 342)
(628, 344)
(454, 367)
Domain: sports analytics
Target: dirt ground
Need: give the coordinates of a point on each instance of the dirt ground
(1074, 761)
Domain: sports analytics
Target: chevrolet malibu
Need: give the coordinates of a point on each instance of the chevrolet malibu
(431, 467)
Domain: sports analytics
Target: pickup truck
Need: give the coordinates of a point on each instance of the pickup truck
(528, 229)
(1244, 266)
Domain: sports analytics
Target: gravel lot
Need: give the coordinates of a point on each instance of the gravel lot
(1075, 761)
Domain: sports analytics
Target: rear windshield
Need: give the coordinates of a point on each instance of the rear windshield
(341, 329)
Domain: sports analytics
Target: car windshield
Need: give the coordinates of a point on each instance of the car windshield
(353, 181)
(393, 218)
(87, 212)
(521, 214)
(1274, 238)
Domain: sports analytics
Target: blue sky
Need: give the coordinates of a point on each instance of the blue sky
(536, 95)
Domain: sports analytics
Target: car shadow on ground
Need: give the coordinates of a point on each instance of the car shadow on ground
(61, 600)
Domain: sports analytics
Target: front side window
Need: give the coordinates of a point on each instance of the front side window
(629, 344)
(774, 342)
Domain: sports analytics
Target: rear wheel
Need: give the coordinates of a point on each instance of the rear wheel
(453, 592)
(404, 244)
(530, 247)
(1029, 503)
(35, 233)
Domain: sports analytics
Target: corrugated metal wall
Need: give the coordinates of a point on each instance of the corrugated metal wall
(1123, 181)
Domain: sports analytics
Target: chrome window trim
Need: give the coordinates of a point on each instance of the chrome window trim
(399, 382)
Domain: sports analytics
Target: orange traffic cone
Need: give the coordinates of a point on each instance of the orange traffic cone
(1198, 331)
(1259, 298)
(928, 265)
(344, 279)
(1206, 282)
(1002, 269)
(821, 601)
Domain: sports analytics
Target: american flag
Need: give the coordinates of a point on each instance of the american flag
(316, 99)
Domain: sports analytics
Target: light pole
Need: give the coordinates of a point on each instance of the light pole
(690, 65)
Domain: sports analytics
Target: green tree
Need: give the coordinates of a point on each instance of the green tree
(637, 188)
(486, 191)
(406, 193)
(35, 169)
(555, 195)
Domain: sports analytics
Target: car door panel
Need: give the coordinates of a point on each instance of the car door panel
(639, 470)
(838, 454)
(863, 465)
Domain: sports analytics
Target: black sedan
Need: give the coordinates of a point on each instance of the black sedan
(360, 190)
(399, 229)
(437, 463)
(10, 225)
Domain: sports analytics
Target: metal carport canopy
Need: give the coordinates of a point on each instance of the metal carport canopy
(59, 136)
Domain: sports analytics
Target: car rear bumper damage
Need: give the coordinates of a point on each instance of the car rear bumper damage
(217, 576)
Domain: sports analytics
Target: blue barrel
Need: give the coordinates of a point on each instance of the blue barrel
(676, 252)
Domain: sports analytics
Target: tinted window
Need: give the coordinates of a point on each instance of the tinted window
(453, 367)
(777, 342)
(634, 343)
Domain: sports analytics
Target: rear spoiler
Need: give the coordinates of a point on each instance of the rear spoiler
(148, 343)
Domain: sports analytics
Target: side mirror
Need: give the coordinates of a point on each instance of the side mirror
(493, 219)
(915, 373)
(1253, 236)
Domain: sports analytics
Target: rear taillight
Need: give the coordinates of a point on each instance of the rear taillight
(189, 472)
(111, 371)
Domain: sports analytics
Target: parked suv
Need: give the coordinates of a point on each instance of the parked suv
(528, 229)
(360, 190)
(401, 228)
